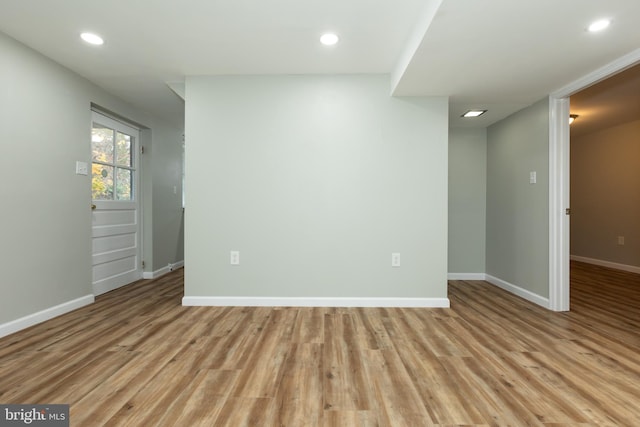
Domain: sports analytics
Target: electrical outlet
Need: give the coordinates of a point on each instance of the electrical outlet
(621, 240)
(395, 259)
(234, 257)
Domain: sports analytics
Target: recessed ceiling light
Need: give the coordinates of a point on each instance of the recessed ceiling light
(92, 38)
(473, 113)
(329, 39)
(599, 25)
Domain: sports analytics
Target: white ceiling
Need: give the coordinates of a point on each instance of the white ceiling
(611, 102)
(500, 55)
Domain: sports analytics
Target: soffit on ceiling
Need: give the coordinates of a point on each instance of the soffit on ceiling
(504, 55)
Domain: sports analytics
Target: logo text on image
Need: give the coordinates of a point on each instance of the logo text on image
(36, 415)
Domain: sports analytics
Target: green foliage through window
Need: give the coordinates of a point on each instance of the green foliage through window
(112, 167)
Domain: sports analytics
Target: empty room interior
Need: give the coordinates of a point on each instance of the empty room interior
(245, 213)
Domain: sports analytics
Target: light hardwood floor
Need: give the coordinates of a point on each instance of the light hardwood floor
(137, 357)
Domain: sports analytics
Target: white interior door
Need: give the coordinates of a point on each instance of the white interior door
(116, 252)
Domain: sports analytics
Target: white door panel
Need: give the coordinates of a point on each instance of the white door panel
(113, 217)
(105, 270)
(114, 242)
(114, 230)
(112, 256)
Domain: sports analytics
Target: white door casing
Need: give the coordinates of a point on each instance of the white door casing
(559, 185)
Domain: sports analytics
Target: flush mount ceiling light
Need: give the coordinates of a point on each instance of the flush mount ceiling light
(473, 113)
(599, 25)
(91, 38)
(329, 39)
(572, 118)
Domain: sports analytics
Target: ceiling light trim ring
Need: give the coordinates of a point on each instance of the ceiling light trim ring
(329, 39)
(92, 38)
(473, 113)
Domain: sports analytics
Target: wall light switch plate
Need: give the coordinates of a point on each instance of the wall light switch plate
(533, 177)
(395, 259)
(234, 257)
(82, 168)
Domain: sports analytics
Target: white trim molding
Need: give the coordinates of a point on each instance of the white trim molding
(558, 204)
(315, 302)
(162, 271)
(612, 68)
(516, 290)
(608, 264)
(44, 315)
(466, 276)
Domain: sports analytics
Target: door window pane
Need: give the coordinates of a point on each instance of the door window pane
(113, 163)
(101, 182)
(123, 150)
(123, 187)
(102, 144)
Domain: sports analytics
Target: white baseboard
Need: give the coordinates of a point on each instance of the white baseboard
(466, 276)
(154, 274)
(315, 302)
(609, 264)
(516, 290)
(162, 271)
(44, 315)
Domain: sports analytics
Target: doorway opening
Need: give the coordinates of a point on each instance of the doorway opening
(559, 181)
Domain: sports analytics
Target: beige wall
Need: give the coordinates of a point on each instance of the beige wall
(605, 195)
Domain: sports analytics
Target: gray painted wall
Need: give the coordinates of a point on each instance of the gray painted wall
(163, 213)
(168, 224)
(316, 180)
(45, 222)
(605, 194)
(518, 212)
(467, 200)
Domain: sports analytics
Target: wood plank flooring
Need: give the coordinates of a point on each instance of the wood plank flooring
(137, 357)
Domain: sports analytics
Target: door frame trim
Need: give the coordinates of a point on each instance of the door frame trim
(559, 164)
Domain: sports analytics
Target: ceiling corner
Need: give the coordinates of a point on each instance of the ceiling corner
(178, 88)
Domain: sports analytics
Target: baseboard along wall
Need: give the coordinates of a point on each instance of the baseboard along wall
(466, 276)
(315, 302)
(162, 271)
(509, 287)
(608, 264)
(44, 315)
(50, 313)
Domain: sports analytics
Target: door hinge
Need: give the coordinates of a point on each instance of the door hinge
(142, 149)
(567, 211)
(142, 264)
